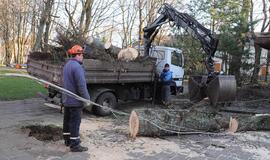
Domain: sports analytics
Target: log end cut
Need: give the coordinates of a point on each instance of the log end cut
(107, 45)
(133, 125)
(233, 125)
(128, 54)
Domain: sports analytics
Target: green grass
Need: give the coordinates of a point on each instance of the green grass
(17, 88)
(12, 71)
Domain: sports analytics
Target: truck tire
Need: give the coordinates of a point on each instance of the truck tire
(105, 99)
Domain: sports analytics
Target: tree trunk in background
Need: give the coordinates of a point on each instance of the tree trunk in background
(88, 17)
(268, 57)
(235, 65)
(258, 49)
(19, 30)
(47, 33)
(46, 13)
(140, 25)
(7, 48)
(236, 61)
(6, 38)
(255, 75)
(225, 60)
(267, 66)
(33, 27)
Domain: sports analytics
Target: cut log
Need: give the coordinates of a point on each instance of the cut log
(253, 123)
(133, 125)
(128, 54)
(164, 122)
(161, 122)
(112, 50)
(107, 45)
(233, 126)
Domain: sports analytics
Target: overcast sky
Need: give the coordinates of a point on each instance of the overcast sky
(258, 14)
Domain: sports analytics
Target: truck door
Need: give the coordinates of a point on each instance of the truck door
(161, 59)
(177, 64)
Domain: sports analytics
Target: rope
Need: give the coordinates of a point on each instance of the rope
(64, 91)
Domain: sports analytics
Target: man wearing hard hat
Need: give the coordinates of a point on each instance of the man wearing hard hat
(74, 81)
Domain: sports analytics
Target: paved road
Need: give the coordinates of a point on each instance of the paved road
(107, 139)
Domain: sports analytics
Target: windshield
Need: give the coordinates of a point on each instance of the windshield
(177, 59)
(157, 54)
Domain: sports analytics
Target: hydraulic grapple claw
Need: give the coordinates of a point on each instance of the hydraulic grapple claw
(221, 88)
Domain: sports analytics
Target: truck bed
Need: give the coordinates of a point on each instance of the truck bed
(96, 71)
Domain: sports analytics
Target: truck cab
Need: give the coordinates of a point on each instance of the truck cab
(174, 58)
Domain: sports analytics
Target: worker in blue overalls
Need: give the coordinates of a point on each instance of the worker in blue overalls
(166, 79)
(74, 81)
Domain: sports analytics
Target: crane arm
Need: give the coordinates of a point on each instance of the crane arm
(182, 20)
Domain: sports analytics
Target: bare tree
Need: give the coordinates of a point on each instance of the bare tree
(70, 10)
(45, 17)
(149, 14)
(258, 49)
(5, 27)
(140, 6)
(268, 52)
(92, 15)
(128, 17)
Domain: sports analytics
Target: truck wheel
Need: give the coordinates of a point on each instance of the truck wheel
(105, 99)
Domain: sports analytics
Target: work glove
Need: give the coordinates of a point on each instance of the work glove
(85, 104)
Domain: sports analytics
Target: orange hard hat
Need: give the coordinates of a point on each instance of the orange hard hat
(76, 49)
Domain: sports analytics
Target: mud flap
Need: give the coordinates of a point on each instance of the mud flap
(220, 89)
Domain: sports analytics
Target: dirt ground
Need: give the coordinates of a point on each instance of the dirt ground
(106, 138)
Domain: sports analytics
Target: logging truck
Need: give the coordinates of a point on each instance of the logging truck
(111, 82)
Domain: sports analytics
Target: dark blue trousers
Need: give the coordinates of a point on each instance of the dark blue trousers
(71, 125)
(165, 93)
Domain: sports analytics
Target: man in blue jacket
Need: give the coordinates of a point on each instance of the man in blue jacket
(166, 79)
(74, 81)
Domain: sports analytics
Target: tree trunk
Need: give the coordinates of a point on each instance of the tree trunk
(267, 66)
(19, 38)
(140, 25)
(47, 34)
(88, 17)
(7, 44)
(226, 62)
(112, 50)
(268, 57)
(164, 122)
(44, 18)
(33, 26)
(258, 50)
(235, 65)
